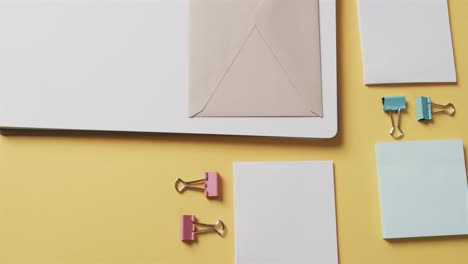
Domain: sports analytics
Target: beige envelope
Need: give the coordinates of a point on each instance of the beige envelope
(255, 58)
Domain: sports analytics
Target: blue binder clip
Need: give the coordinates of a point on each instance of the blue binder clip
(424, 107)
(392, 104)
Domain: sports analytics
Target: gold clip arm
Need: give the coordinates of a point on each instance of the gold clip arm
(218, 227)
(187, 185)
(396, 131)
(449, 109)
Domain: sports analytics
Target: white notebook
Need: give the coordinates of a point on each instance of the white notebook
(285, 213)
(406, 41)
(121, 65)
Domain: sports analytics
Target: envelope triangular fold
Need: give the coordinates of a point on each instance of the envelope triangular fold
(292, 30)
(280, 76)
(257, 87)
(218, 30)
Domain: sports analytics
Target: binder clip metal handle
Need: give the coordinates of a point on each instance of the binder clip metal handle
(210, 182)
(424, 107)
(218, 227)
(449, 109)
(188, 230)
(396, 131)
(391, 104)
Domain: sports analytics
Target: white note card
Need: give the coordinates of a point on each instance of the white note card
(285, 213)
(406, 41)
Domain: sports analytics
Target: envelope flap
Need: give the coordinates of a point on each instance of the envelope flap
(218, 31)
(256, 86)
(292, 31)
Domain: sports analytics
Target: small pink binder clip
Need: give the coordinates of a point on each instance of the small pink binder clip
(211, 185)
(188, 225)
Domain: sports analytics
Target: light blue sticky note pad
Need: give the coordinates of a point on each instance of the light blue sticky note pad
(423, 188)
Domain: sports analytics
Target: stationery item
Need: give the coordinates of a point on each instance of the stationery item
(424, 107)
(391, 104)
(210, 182)
(406, 41)
(188, 230)
(245, 59)
(126, 68)
(423, 188)
(285, 211)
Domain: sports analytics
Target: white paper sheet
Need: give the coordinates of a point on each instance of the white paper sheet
(121, 65)
(285, 213)
(406, 41)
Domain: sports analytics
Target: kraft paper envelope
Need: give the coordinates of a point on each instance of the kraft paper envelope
(255, 58)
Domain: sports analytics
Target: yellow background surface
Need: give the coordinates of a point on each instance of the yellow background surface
(109, 199)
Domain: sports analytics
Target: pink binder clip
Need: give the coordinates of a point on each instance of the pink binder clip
(211, 185)
(188, 230)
